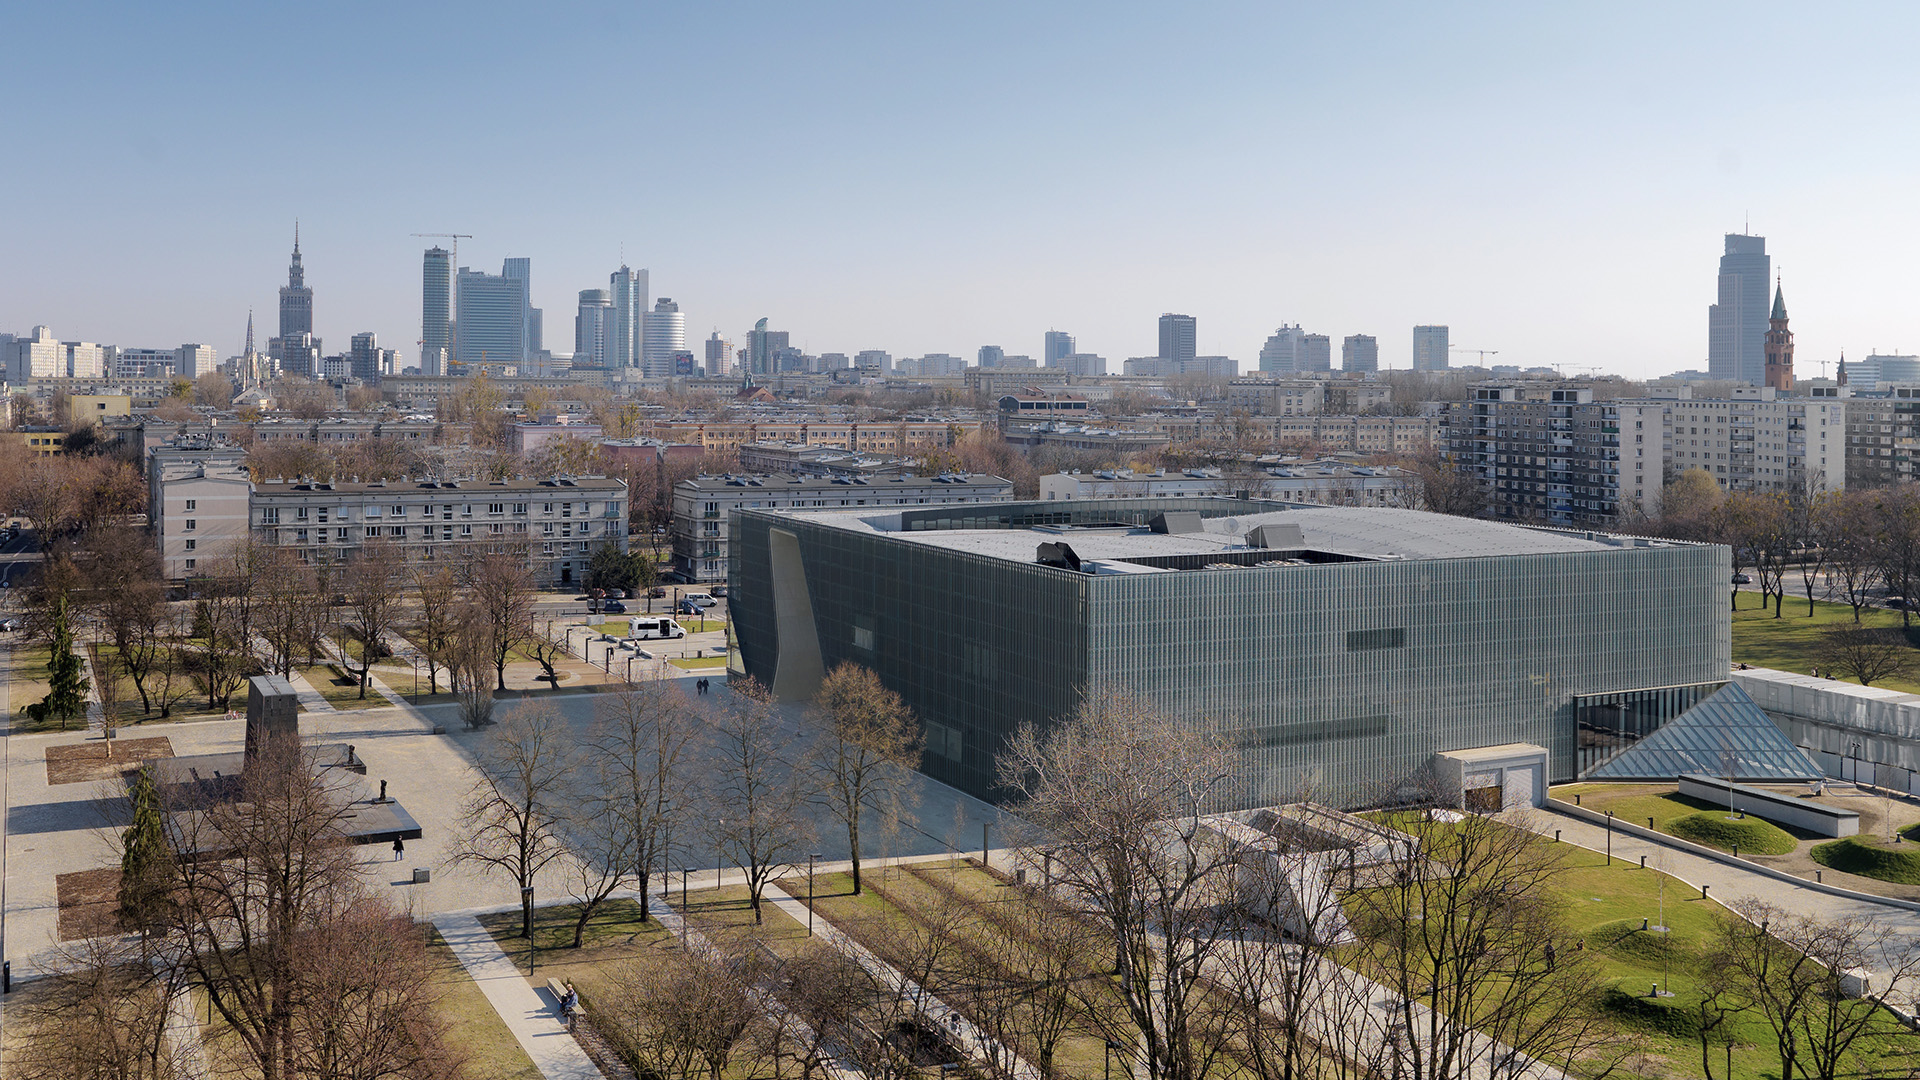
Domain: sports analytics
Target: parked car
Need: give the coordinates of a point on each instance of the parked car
(12, 622)
(1896, 602)
(614, 607)
(656, 592)
(1743, 579)
(719, 590)
(688, 607)
(617, 594)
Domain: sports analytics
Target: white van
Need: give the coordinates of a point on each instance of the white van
(702, 599)
(660, 627)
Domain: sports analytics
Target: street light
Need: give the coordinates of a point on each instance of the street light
(811, 859)
(1609, 838)
(526, 908)
(685, 873)
(1111, 1047)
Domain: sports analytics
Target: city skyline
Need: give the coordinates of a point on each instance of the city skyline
(1593, 143)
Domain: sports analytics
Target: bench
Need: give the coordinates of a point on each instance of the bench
(559, 991)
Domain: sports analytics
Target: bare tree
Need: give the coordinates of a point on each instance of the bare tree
(687, 1014)
(102, 1016)
(283, 591)
(1445, 488)
(371, 583)
(501, 589)
(644, 742)
(125, 593)
(526, 764)
(1853, 568)
(1896, 529)
(1865, 653)
(868, 753)
(435, 593)
(1814, 526)
(757, 797)
(1121, 788)
(369, 1001)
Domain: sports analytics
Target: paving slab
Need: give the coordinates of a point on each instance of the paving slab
(534, 1021)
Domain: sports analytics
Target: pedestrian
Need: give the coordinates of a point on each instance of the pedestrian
(568, 1004)
(399, 849)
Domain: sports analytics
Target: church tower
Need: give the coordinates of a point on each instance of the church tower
(1779, 346)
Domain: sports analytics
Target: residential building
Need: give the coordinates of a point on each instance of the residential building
(1162, 367)
(40, 440)
(146, 363)
(1550, 456)
(1177, 337)
(832, 361)
(629, 289)
(1883, 433)
(1737, 324)
(436, 312)
(1430, 348)
(1278, 397)
(1342, 650)
(990, 355)
(1080, 364)
(666, 336)
(1324, 482)
(1281, 353)
(555, 523)
(1119, 440)
(1059, 345)
(367, 361)
(1359, 353)
(198, 508)
(492, 316)
(1316, 353)
(703, 507)
(98, 407)
(933, 365)
(800, 459)
(877, 361)
(41, 356)
(1755, 440)
(875, 437)
(531, 438)
(594, 330)
(1060, 406)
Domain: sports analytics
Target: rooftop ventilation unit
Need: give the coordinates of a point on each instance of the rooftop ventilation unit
(1176, 521)
(1277, 537)
(1057, 554)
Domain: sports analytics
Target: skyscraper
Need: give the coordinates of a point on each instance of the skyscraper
(1316, 353)
(363, 359)
(296, 318)
(764, 347)
(1059, 345)
(1779, 346)
(1281, 354)
(718, 351)
(666, 335)
(990, 355)
(1737, 325)
(593, 329)
(436, 311)
(492, 316)
(629, 288)
(1430, 348)
(1176, 337)
(1360, 352)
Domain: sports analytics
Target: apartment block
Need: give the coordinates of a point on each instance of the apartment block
(1755, 440)
(1548, 456)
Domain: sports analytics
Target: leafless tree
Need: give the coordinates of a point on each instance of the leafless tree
(470, 656)
(832, 997)
(499, 586)
(1120, 788)
(369, 1001)
(125, 593)
(220, 651)
(757, 798)
(1865, 653)
(435, 593)
(687, 1014)
(1445, 488)
(102, 1017)
(372, 588)
(512, 813)
(1853, 568)
(1815, 525)
(283, 592)
(866, 757)
(644, 742)
(1896, 530)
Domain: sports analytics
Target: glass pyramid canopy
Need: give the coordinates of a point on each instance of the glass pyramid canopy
(1725, 734)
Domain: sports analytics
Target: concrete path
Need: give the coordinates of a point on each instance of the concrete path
(975, 1040)
(534, 1020)
(183, 1035)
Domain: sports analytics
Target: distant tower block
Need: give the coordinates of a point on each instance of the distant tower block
(273, 712)
(1779, 346)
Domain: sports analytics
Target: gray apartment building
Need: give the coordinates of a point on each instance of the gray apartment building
(1550, 456)
(703, 507)
(1341, 648)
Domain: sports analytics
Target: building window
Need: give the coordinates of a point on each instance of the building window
(192, 505)
(192, 524)
(190, 563)
(1362, 640)
(496, 509)
(270, 516)
(373, 532)
(190, 544)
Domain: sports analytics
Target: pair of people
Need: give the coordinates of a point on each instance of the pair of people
(700, 686)
(569, 1004)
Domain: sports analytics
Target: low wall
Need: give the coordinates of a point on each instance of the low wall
(1784, 809)
(1866, 734)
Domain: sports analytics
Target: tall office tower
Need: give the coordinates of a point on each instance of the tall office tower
(491, 316)
(666, 335)
(1059, 344)
(1316, 353)
(296, 303)
(1176, 337)
(764, 347)
(436, 311)
(536, 330)
(363, 359)
(192, 361)
(1359, 352)
(991, 355)
(1737, 325)
(1779, 346)
(718, 350)
(1281, 353)
(593, 329)
(1430, 346)
(629, 288)
(875, 360)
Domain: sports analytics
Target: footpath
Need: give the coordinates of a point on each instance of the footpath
(534, 1021)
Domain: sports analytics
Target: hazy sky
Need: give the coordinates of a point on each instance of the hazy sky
(918, 177)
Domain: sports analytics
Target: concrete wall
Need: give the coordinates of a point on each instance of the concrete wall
(1783, 809)
(1862, 733)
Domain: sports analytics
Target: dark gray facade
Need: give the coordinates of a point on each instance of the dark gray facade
(1335, 677)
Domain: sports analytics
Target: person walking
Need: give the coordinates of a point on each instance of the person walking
(399, 849)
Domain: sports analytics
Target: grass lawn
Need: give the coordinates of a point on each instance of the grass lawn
(341, 690)
(1683, 816)
(699, 662)
(1869, 856)
(1792, 642)
(476, 1032)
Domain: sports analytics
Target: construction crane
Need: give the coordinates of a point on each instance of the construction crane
(1481, 353)
(456, 237)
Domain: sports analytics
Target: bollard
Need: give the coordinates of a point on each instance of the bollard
(1736, 849)
(1816, 877)
(1654, 991)
(1649, 824)
(1703, 892)
(1643, 862)
(6, 976)
(1556, 836)
(1576, 800)
(1643, 923)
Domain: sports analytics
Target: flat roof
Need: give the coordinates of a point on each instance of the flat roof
(396, 487)
(1359, 532)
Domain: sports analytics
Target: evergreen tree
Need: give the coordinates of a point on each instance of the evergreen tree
(66, 687)
(146, 863)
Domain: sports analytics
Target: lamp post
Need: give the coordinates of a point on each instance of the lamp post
(986, 831)
(526, 908)
(811, 859)
(1609, 838)
(1109, 1059)
(685, 873)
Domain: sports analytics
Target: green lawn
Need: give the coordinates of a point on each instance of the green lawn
(1683, 816)
(1869, 856)
(699, 663)
(475, 1030)
(1792, 642)
(341, 690)
(1733, 832)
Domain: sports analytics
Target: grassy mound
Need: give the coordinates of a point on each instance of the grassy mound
(1624, 939)
(1674, 1017)
(1715, 828)
(1870, 857)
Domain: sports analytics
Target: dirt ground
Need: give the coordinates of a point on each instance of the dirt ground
(88, 899)
(79, 763)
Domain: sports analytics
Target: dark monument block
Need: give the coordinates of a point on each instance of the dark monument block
(273, 712)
